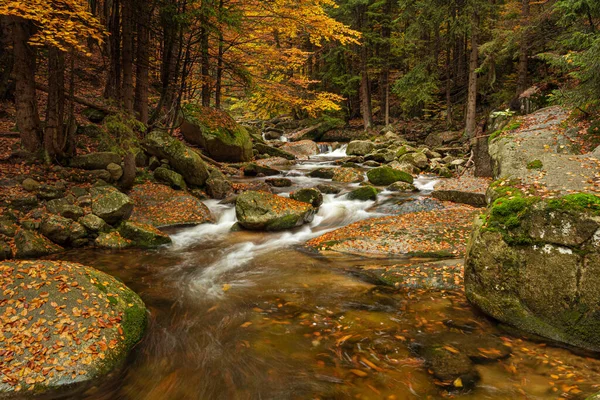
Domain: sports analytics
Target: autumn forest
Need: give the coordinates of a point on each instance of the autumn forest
(309, 199)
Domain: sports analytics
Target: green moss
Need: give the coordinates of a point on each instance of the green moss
(535, 164)
(363, 193)
(384, 176)
(581, 202)
(505, 216)
(513, 125)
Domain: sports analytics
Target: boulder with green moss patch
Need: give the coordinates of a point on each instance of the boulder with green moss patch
(182, 158)
(97, 321)
(269, 212)
(309, 195)
(170, 177)
(363, 193)
(93, 161)
(383, 176)
(110, 204)
(143, 235)
(216, 132)
(30, 244)
(113, 241)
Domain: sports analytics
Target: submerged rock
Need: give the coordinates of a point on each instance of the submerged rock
(97, 320)
(269, 212)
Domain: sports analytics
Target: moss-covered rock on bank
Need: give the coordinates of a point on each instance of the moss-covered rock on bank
(63, 324)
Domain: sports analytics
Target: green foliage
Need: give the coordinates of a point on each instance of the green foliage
(416, 90)
(535, 164)
(121, 133)
(514, 125)
(576, 202)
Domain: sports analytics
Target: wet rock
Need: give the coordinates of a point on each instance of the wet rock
(143, 235)
(95, 161)
(217, 186)
(402, 187)
(363, 193)
(112, 241)
(111, 341)
(254, 169)
(348, 175)
(215, 131)
(329, 189)
(265, 211)
(93, 223)
(279, 182)
(303, 148)
(115, 171)
(30, 244)
(273, 133)
(182, 159)
(311, 196)
(323, 173)
(384, 176)
(273, 151)
(360, 148)
(171, 178)
(111, 205)
(160, 206)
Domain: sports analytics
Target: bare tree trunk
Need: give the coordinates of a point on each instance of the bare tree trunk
(142, 84)
(365, 88)
(54, 141)
(6, 60)
(127, 55)
(205, 65)
(523, 49)
(128, 178)
(28, 119)
(471, 120)
(113, 83)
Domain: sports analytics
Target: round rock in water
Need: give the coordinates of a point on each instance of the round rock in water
(62, 324)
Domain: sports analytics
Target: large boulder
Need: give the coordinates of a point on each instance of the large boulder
(182, 158)
(170, 177)
(218, 186)
(311, 196)
(269, 212)
(302, 149)
(75, 325)
(93, 161)
(383, 176)
(30, 244)
(534, 264)
(110, 204)
(218, 133)
(161, 206)
(360, 148)
(363, 193)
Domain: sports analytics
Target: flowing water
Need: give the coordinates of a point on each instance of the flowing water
(249, 315)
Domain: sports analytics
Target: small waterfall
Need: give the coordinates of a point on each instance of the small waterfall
(325, 148)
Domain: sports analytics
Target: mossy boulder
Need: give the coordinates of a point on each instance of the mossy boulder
(30, 244)
(311, 196)
(402, 187)
(273, 151)
(323, 173)
(58, 229)
(143, 235)
(182, 158)
(279, 182)
(170, 177)
(533, 264)
(5, 251)
(113, 241)
(87, 321)
(216, 132)
(93, 223)
(328, 189)
(269, 212)
(417, 159)
(254, 169)
(360, 148)
(218, 186)
(110, 204)
(93, 161)
(363, 193)
(383, 176)
(348, 175)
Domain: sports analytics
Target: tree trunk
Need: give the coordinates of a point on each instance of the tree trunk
(28, 119)
(6, 60)
(127, 55)
(205, 65)
(523, 49)
(113, 83)
(54, 138)
(471, 122)
(219, 77)
(143, 62)
(128, 178)
(365, 89)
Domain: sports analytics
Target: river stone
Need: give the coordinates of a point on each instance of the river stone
(215, 131)
(56, 228)
(30, 244)
(279, 182)
(218, 186)
(383, 176)
(311, 196)
(363, 193)
(94, 161)
(254, 169)
(162, 206)
(30, 185)
(323, 173)
(417, 159)
(461, 196)
(303, 148)
(115, 171)
(93, 223)
(110, 204)
(269, 212)
(402, 187)
(8, 227)
(273, 151)
(182, 159)
(348, 175)
(96, 321)
(143, 235)
(360, 148)
(112, 241)
(328, 189)
(170, 177)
